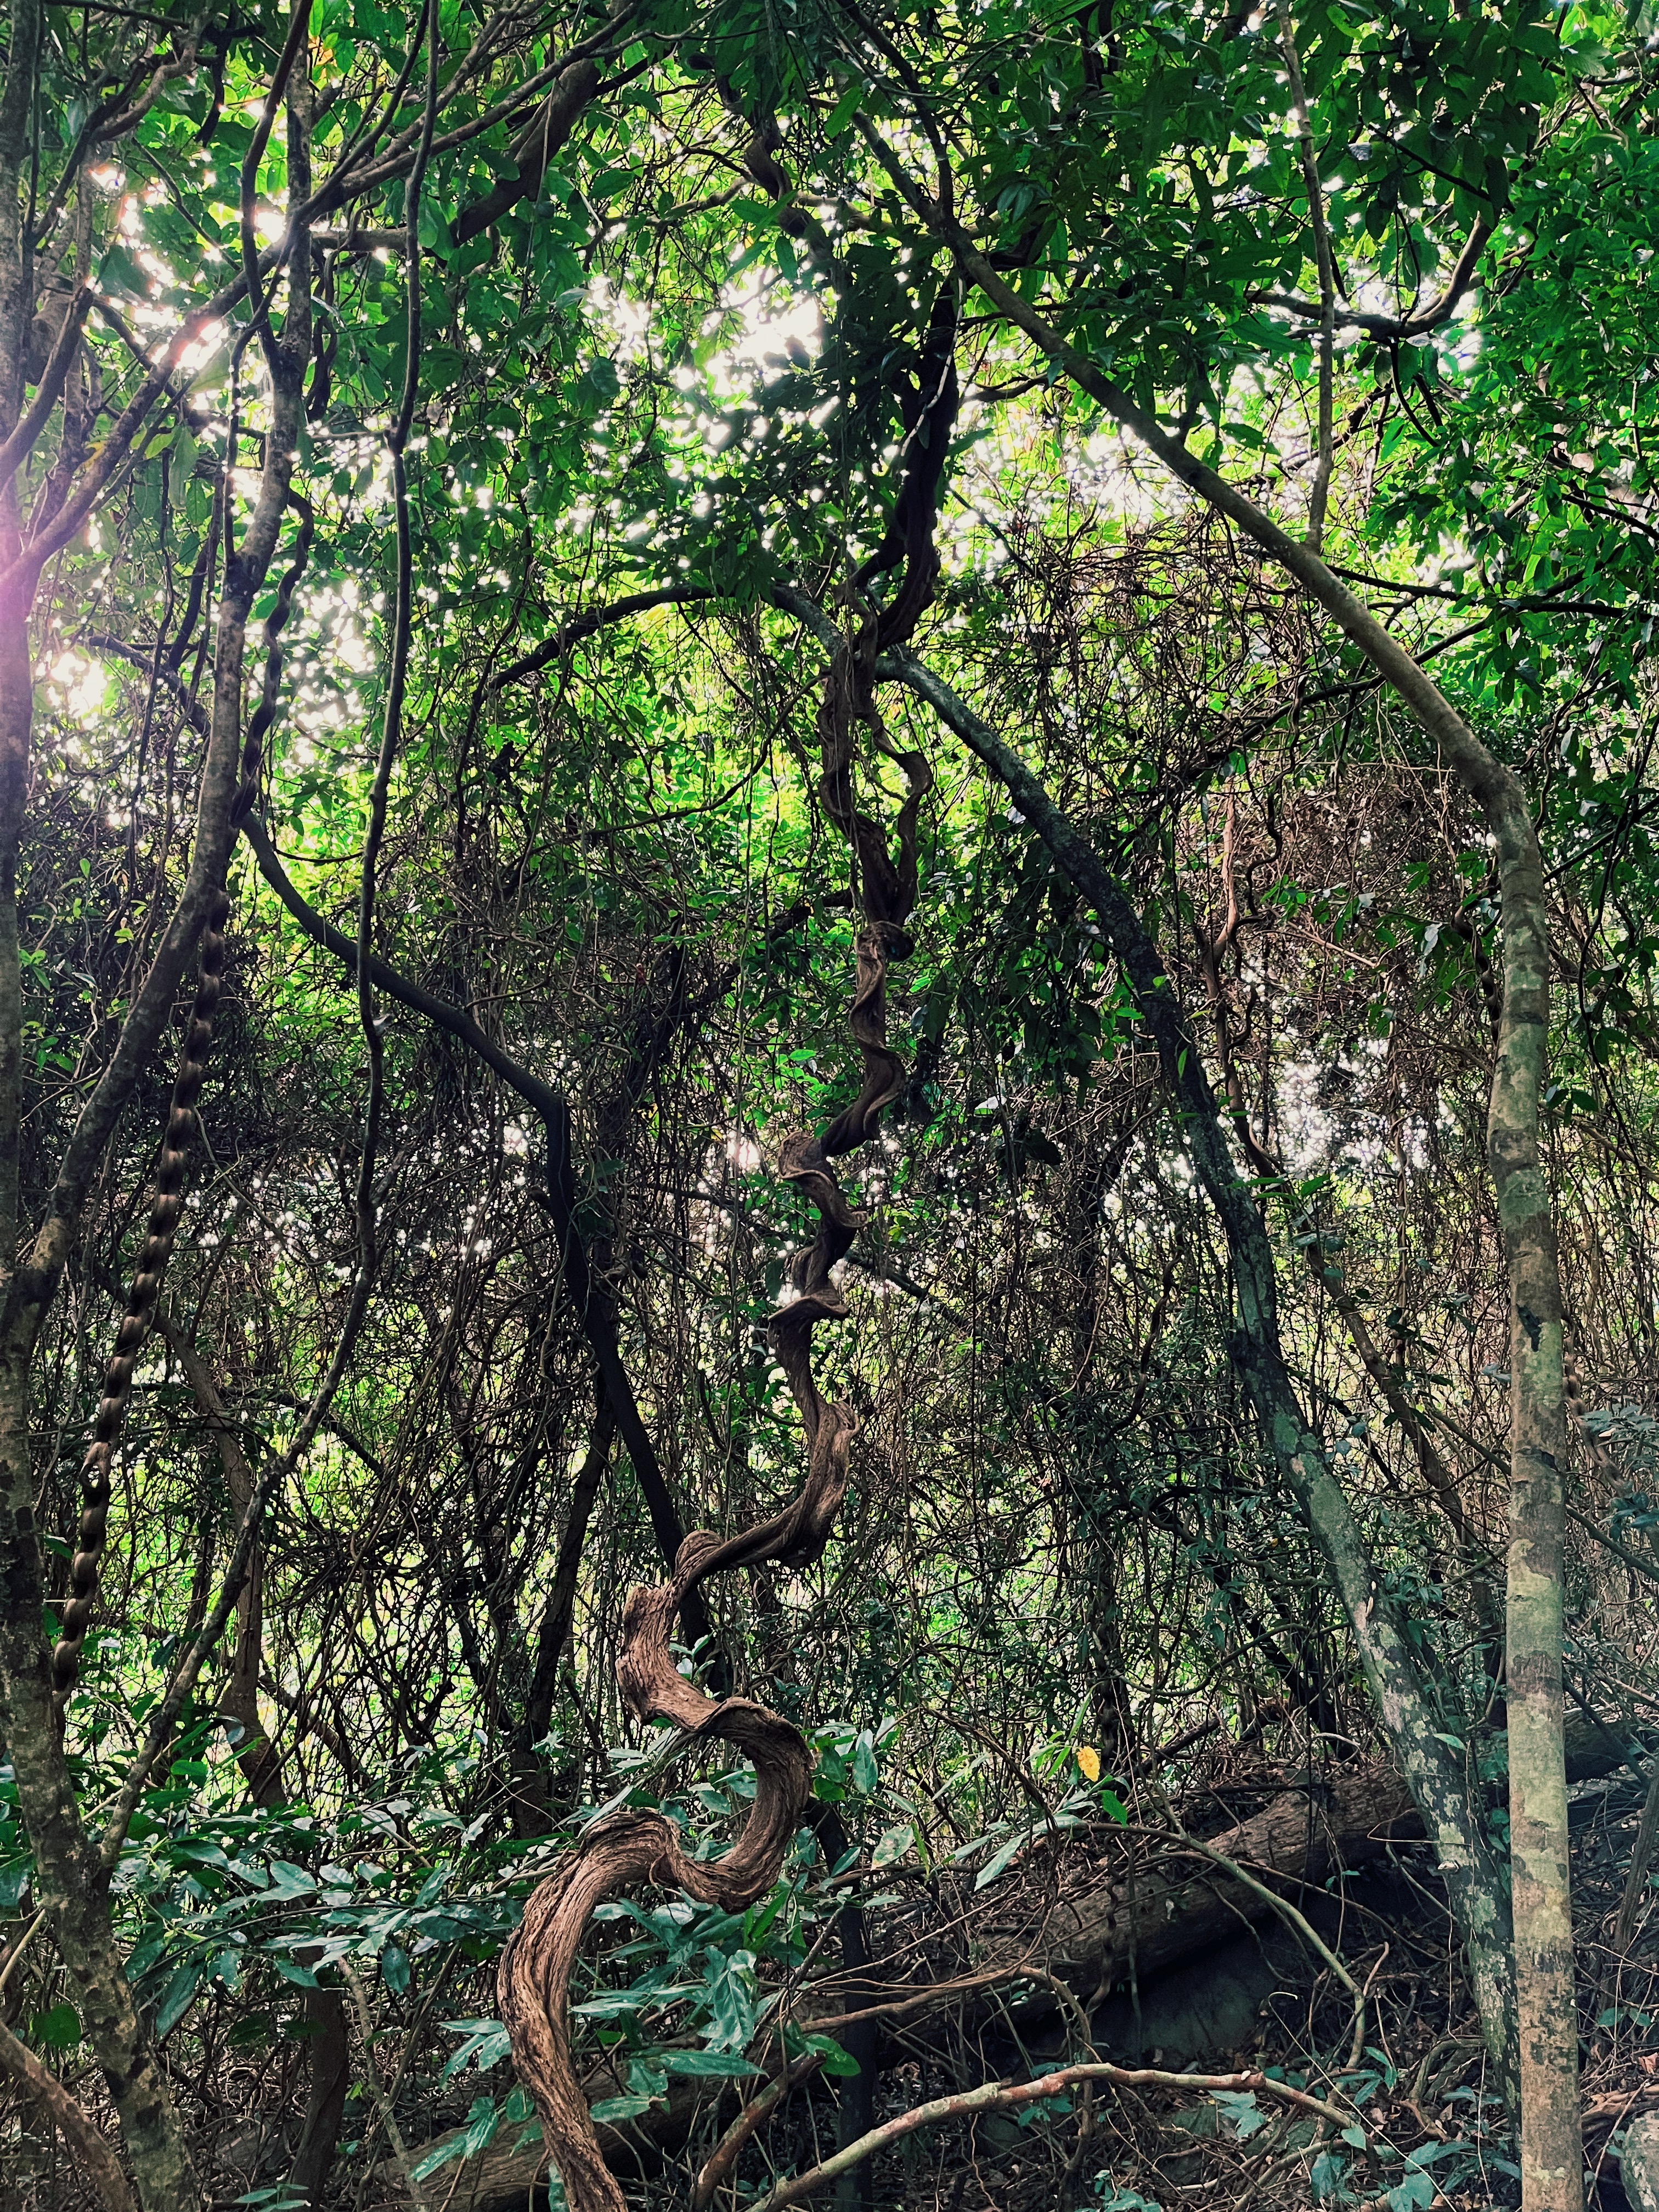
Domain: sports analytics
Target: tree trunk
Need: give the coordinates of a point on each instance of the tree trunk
(1545, 2038)
(71, 1882)
(329, 2045)
(1406, 1697)
(531, 1807)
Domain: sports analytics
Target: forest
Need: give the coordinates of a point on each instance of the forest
(829, 1105)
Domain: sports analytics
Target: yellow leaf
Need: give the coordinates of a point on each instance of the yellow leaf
(1088, 1759)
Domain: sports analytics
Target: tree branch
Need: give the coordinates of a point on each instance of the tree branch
(594, 1310)
(97, 2162)
(1007, 2096)
(17, 449)
(1399, 327)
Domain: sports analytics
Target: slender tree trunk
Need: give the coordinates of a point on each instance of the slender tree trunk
(1406, 1700)
(70, 1881)
(329, 2046)
(530, 1800)
(1551, 2135)
(1547, 2080)
(855, 2094)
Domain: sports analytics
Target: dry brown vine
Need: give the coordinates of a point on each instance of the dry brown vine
(638, 1848)
(641, 1847)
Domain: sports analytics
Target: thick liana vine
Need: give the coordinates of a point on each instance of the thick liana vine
(637, 1848)
(168, 1192)
(166, 1205)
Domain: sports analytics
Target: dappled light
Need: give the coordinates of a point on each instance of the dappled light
(830, 1365)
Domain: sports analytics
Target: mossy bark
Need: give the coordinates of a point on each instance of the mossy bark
(1404, 1695)
(1546, 2080)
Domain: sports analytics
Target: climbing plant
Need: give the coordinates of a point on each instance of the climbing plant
(493, 506)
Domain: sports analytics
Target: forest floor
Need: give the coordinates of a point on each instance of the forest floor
(1259, 2002)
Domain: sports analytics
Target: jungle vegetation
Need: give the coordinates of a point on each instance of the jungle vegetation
(828, 1133)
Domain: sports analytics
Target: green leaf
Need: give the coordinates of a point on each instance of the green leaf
(844, 110)
(1243, 2109)
(729, 2065)
(176, 1997)
(441, 2154)
(119, 272)
(999, 1860)
(287, 1881)
(893, 1846)
(59, 2029)
(1410, 2195)
(613, 2109)
(181, 463)
(482, 2121)
(1326, 2176)
(865, 1775)
(838, 2062)
(598, 386)
(487, 2044)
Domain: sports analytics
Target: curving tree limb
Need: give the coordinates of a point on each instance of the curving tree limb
(99, 2167)
(595, 1302)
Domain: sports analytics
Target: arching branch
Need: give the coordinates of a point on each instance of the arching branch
(595, 1306)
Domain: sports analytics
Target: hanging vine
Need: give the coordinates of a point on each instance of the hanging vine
(638, 1848)
(167, 1191)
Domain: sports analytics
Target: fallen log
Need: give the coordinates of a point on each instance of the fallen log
(1104, 1926)
(1337, 1821)
(500, 2177)
(1177, 1907)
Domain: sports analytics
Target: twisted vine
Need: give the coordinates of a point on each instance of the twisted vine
(636, 1848)
(167, 1194)
(165, 1206)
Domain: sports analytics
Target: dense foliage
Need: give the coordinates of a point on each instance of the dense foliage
(597, 369)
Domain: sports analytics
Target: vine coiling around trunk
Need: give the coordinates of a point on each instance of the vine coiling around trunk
(165, 1207)
(168, 1196)
(638, 1848)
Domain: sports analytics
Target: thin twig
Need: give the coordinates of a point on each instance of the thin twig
(14, 1957)
(1297, 1922)
(1641, 1858)
(1001, 2096)
(724, 2155)
(377, 2088)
